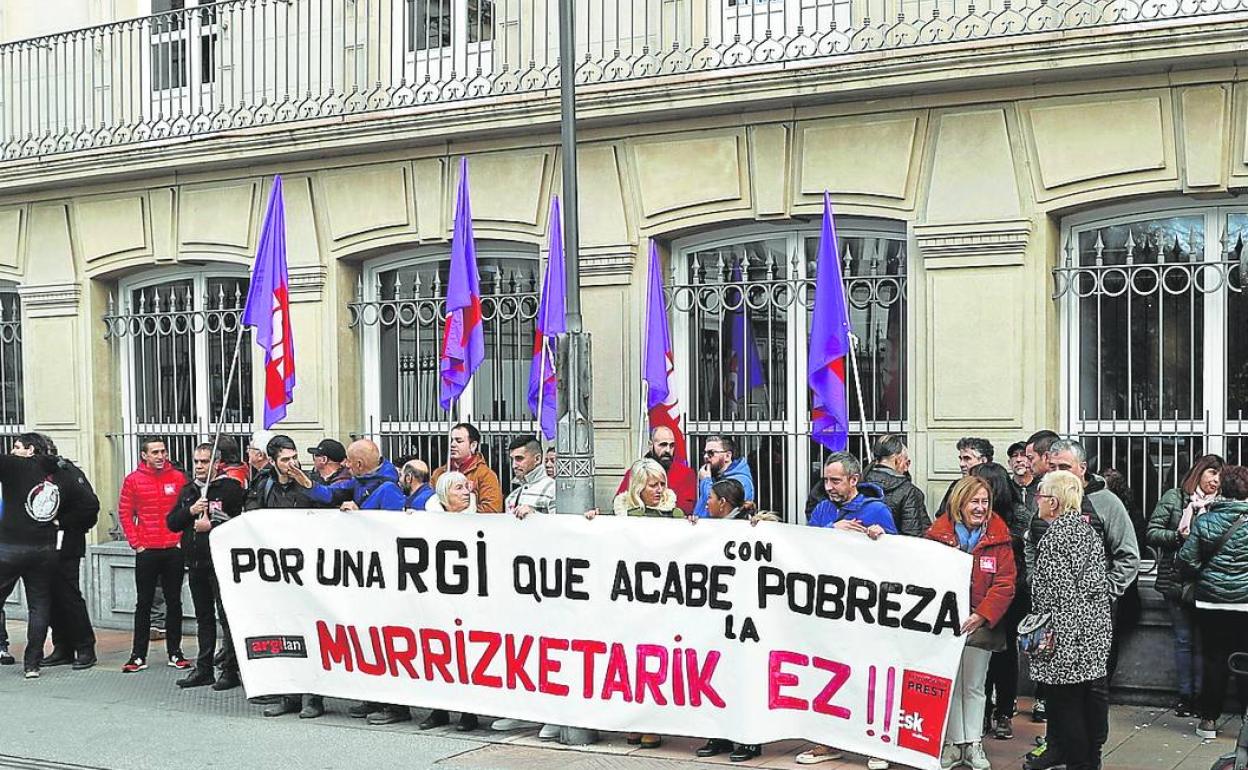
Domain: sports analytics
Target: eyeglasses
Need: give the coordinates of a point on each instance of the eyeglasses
(713, 452)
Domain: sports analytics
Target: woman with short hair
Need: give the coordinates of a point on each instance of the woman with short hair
(1071, 585)
(647, 493)
(452, 494)
(973, 527)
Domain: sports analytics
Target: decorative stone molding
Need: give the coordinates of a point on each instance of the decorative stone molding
(973, 244)
(602, 265)
(50, 300)
(307, 282)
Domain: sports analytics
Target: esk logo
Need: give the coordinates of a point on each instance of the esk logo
(911, 721)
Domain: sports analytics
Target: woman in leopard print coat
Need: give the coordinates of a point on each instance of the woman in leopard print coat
(1071, 584)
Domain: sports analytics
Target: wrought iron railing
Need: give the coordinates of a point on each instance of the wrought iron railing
(222, 66)
(12, 397)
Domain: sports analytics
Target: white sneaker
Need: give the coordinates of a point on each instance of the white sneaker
(549, 732)
(976, 759)
(951, 756)
(505, 724)
(875, 763)
(818, 754)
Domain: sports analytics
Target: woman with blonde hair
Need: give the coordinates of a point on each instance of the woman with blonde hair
(1070, 585)
(973, 527)
(647, 493)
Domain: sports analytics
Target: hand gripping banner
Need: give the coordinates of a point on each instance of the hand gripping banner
(718, 629)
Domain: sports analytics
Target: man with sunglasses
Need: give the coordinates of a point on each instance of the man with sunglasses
(720, 461)
(681, 479)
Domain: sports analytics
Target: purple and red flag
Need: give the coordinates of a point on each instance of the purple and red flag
(658, 367)
(268, 310)
(741, 344)
(463, 344)
(551, 322)
(829, 344)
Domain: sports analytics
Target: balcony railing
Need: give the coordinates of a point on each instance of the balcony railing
(221, 66)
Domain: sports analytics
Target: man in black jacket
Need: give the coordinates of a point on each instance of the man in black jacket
(890, 470)
(28, 539)
(73, 639)
(201, 506)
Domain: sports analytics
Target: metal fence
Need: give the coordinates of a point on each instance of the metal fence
(174, 342)
(742, 310)
(221, 66)
(403, 318)
(1156, 355)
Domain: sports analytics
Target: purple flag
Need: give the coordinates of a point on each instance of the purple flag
(658, 368)
(463, 344)
(268, 310)
(741, 341)
(829, 344)
(551, 321)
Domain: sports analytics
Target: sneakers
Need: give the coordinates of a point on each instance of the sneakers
(951, 756)
(156, 633)
(1002, 728)
(178, 660)
(875, 763)
(1038, 711)
(818, 754)
(549, 732)
(32, 673)
(6, 658)
(505, 724)
(1042, 757)
(976, 759)
(134, 664)
(1207, 729)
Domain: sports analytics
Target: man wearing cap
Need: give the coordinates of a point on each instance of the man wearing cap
(327, 462)
(258, 455)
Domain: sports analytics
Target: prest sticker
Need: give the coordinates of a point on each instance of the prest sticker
(924, 705)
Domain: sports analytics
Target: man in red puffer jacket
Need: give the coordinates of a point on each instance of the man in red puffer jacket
(147, 496)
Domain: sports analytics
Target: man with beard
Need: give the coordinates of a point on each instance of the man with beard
(681, 479)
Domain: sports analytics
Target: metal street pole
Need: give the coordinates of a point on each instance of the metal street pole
(574, 440)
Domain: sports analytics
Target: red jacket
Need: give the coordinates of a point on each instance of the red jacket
(147, 496)
(993, 571)
(681, 479)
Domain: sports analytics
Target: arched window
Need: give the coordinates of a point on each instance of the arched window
(1155, 357)
(401, 311)
(742, 302)
(175, 340)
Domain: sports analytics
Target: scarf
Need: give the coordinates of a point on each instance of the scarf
(1196, 505)
(967, 537)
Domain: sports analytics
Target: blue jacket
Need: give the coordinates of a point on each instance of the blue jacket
(376, 491)
(739, 469)
(416, 501)
(866, 508)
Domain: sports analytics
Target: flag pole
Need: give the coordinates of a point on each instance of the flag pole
(225, 402)
(862, 412)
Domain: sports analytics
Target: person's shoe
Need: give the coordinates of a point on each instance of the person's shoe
(197, 678)
(951, 756)
(505, 724)
(6, 657)
(467, 723)
(818, 754)
(261, 700)
(1207, 729)
(289, 704)
(134, 664)
(313, 707)
(390, 715)
(218, 660)
(712, 747)
(1043, 757)
(649, 741)
(59, 657)
(85, 659)
(32, 673)
(1038, 711)
(875, 763)
(436, 718)
(363, 709)
(1002, 727)
(227, 681)
(178, 660)
(1181, 709)
(156, 633)
(976, 759)
(745, 752)
(549, 732)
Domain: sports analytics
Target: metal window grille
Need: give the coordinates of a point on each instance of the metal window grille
(401, 312)
(12, 396)
(175, 342)
(741, 312)
(1154, 351)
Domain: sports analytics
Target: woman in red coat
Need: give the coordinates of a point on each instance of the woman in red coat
(971, 526)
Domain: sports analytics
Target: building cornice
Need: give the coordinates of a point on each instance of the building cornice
(1020, 61)
(50, 300)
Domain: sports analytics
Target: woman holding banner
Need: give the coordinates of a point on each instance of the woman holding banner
(971, 525)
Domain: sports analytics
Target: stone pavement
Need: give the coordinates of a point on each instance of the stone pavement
(105, 719)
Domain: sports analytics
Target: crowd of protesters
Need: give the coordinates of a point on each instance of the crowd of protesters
(1047, 538)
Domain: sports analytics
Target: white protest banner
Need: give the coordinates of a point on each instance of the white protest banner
(717, 629)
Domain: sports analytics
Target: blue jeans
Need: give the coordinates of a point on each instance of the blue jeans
(1188, 661)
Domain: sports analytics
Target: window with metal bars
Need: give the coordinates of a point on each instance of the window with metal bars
(12, 396)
